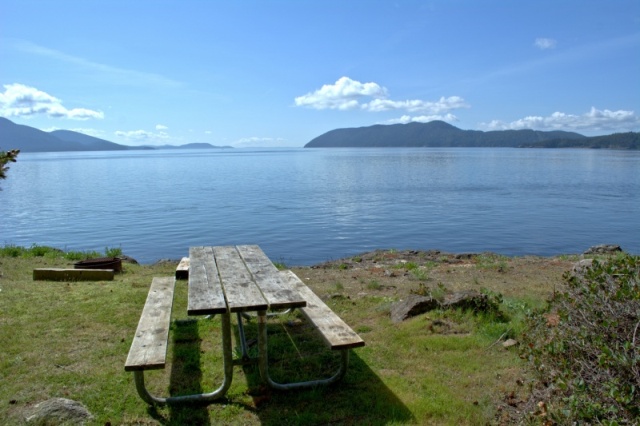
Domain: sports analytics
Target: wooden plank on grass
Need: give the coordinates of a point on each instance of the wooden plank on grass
(61, 274)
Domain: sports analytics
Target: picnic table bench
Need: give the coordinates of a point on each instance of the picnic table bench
(225, 280)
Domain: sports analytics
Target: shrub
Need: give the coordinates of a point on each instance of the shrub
(585, 346)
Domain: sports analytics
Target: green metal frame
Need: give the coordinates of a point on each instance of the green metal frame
(229, 362)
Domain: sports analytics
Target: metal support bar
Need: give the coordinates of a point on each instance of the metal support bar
(248, 316)
(202, 397)
(243, 340)
(263, 363)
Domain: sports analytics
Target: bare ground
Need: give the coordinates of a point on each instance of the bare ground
(396, 273)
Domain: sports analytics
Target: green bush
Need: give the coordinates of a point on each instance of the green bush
(585, 346)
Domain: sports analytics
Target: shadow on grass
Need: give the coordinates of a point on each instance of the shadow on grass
(186, 376)
(297, 353)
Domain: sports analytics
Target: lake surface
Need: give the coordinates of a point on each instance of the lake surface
(305, 206)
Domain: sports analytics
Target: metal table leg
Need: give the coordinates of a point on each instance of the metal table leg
(263, 362)
(203, 397)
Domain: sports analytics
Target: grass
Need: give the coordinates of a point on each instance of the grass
(71, 339)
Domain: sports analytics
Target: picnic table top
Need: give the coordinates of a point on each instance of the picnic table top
(225, 279)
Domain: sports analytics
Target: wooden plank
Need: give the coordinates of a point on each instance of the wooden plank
(336, 333)
(149, 347)
(278, 293)
(205, 291)
(61, 274)
(182, 271)
(241, 291)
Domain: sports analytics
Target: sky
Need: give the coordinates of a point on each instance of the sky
(280, 73)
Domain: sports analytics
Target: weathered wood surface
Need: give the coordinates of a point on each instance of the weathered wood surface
(336, 333)
(149, 347)
(61, 274)
(205, 291)
(182, 271)
(240, 289)
(279, 295)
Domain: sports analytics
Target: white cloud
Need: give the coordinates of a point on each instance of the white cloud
(342, 95)
(545, 43)
(594, 120)
(348, 94)
(443, 104)
(141, 135)
(19, 100)
(161, 127)
(422, 119)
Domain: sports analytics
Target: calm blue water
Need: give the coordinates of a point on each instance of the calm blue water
(305, 206)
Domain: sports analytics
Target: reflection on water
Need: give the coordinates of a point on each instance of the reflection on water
(308, 205)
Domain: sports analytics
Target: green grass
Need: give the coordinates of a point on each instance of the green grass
(71, 340)
(52, 253)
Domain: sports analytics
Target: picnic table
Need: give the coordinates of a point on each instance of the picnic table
(233, 279)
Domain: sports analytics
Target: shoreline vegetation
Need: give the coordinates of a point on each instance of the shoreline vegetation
(70, 340)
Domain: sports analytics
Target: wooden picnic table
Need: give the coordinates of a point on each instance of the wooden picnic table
(236, 279)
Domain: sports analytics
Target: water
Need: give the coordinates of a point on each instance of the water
(305, 206)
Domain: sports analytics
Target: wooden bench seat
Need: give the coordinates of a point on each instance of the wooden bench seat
(335, 332)
(182, 270)
(149, 347)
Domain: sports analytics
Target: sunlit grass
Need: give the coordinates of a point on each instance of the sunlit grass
(71, 340)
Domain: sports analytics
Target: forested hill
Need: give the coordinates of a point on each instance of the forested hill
(441, 134)
(30, 139)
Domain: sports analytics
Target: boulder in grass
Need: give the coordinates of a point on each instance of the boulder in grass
(59, 411)
(411, 306)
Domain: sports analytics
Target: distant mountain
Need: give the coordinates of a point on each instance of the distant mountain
(88, 143)
(629, 140)
(29, 139)
(433, 134)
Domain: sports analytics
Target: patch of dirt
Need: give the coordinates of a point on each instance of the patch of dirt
(394, 273)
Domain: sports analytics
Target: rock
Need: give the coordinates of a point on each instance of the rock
(579, 268)
(509, 342)
(128, 259)
(59, 411)
(465, 256)
(604, 249)
(167, 261)
(411, 306)
(468, 299)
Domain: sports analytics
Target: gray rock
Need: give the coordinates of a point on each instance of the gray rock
(465, 256)
(509, 342)
(59, 411)
(128, 259)
(415, 305)
(468, 299)
(579, 268)
(604, 249)
(411, 306)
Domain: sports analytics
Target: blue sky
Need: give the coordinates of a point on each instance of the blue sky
(279, 73)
